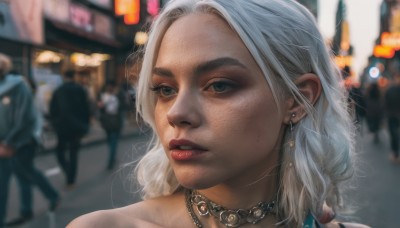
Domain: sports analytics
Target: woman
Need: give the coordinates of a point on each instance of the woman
(250, 124)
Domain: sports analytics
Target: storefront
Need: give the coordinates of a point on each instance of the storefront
(76, 37)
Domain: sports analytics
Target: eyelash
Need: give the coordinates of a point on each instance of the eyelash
(158, 90)
(227, 85)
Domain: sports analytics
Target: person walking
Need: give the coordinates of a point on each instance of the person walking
(111, 105)
(392, 108)
(20, 127)
(69, 115)
(357, 103)
(373, 110)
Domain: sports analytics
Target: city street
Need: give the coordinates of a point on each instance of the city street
(96, 187)
(375, 196)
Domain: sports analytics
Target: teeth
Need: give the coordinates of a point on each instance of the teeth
(185, 147)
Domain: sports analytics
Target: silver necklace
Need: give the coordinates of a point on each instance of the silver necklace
(228, 217)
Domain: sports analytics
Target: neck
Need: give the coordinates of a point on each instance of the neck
(243, 196)
(245, 192)
(204, 211)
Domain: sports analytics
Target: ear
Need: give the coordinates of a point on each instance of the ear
(309, 86)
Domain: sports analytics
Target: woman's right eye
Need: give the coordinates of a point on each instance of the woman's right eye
(163, 91)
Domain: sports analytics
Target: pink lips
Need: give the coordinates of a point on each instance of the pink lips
(184, 150)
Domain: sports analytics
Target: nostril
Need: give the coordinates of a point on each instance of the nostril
(180, 123)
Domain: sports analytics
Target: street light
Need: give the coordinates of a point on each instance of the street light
(374, 72)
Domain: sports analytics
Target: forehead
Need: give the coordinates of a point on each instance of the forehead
(201, 37)
(200, 23)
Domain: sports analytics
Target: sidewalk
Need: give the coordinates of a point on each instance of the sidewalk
(96, 135)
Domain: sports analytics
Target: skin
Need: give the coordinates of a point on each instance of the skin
(228, 109)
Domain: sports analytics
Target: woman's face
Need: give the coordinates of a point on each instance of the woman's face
(215, 113)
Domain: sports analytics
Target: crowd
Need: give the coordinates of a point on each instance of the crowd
(69, 113)
(378, 108)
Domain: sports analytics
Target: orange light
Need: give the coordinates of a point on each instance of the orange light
(124, 7)
(391, 39)
(342, 61)
(381, 51)
(132, 19)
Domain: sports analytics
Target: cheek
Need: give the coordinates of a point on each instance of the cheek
(250, 123)
(160, 120)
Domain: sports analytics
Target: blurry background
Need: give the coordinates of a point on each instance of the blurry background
(46, 37)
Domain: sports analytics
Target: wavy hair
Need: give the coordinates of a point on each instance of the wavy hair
(284, 40)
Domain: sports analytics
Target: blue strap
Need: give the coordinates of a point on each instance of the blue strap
(309, 222)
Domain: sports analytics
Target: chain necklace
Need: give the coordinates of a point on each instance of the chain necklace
(228, 217)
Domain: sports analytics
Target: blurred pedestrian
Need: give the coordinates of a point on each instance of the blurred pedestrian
(20, 127)
(84, 78)
(111, 106)
(392, 108)
(69, 115)
(356, 97)
(374, 110)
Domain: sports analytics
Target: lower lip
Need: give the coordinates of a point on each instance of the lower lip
(185, 155)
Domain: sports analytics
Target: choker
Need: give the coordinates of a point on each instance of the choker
(228, 217)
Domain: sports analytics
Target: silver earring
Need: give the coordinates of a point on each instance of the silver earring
(291, 140)
(291, 137)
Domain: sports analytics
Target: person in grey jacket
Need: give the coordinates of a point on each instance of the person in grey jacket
(20, 126)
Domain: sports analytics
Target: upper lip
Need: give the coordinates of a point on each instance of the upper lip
(179, 143)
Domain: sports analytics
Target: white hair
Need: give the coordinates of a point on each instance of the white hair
(284, 40)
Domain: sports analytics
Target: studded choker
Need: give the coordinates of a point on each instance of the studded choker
(228, 217)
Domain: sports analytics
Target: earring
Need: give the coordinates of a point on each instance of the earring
(291, 140)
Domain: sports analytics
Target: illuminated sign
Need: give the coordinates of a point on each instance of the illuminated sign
(391, 39)
(130, 9)
(132, 19)
(81, 17)
(381, 51)
(153, 7)
(390, 43)
(123, 7)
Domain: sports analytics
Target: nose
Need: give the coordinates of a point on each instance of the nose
(185, 111)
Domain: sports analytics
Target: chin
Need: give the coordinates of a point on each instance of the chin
(196, 181)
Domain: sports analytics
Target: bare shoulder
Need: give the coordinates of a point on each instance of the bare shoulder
(110, 218)
(154, 213)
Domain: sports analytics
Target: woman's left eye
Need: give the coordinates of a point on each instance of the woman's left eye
(220, 87)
